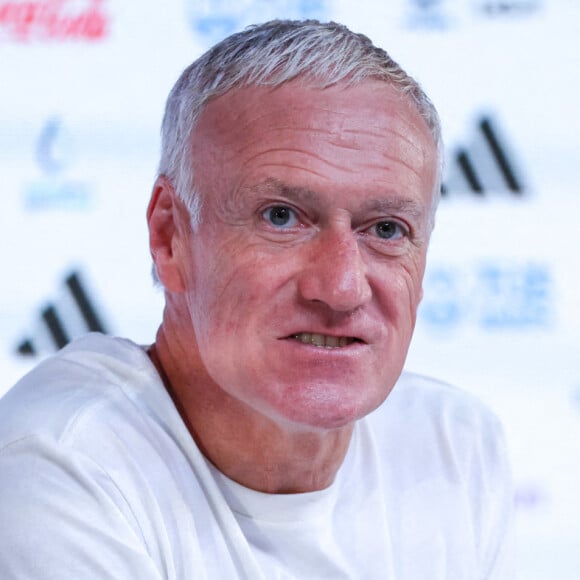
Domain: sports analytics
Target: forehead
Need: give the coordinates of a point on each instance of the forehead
(367, 130)
(379, 106)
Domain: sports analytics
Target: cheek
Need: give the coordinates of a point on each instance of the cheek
(401, 290)
(235, 287)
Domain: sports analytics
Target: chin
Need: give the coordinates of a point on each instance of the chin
(327, 409)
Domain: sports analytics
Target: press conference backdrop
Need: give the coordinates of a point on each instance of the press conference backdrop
(82, 88)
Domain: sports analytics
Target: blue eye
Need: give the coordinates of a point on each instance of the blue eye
(280, 216)
(389, 230)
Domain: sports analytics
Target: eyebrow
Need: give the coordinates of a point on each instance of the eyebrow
(292, 192)
(381, 205)
(397, 204)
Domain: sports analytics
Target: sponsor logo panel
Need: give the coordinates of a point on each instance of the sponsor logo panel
(491, 296)
(213, 20)
(27, 21)
(509, 8)
(428, 14)
(439, 15)
(74, 312)
(54, 155)
(488, 164)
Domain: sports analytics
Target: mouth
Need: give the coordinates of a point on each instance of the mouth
(324, 340)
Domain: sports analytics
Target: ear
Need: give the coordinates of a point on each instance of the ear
(165, 233)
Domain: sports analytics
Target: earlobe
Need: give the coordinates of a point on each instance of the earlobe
(162, 216)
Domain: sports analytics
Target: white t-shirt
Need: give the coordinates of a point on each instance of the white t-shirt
(100, 478)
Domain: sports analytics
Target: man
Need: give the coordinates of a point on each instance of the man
(269, 432)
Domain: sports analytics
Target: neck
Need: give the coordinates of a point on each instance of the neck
(247, 446)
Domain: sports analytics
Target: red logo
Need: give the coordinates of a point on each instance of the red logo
(53, 20)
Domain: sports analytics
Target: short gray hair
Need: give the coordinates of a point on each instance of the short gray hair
(272, 54)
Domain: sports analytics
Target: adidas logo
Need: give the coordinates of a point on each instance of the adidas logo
(72, 315)
(486, 165)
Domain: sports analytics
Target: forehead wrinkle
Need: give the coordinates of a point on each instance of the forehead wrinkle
(311, 154)
(339, 139)
(381, 133)
(334, 134)
(416, 170)
(259, 136)
(302, 170)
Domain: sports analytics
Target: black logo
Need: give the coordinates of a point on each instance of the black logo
(487, 164)
(75, 314)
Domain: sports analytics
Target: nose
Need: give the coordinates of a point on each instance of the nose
(335, 272)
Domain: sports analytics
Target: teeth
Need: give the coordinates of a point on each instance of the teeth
(323, 340)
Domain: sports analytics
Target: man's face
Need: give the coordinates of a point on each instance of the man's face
(304, 275)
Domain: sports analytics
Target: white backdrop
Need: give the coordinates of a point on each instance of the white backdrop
(82, 89)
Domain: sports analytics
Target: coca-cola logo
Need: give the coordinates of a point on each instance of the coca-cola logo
(54, 20)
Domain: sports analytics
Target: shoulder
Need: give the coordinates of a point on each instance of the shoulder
(443, 463)
(442, 427)
(95, 375)
(93, 453)
(437, 403)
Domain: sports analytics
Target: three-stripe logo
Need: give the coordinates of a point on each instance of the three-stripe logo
(73, 315)
(487, 165)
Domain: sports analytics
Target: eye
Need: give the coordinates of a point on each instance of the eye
(389, 230)
(280, 216)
